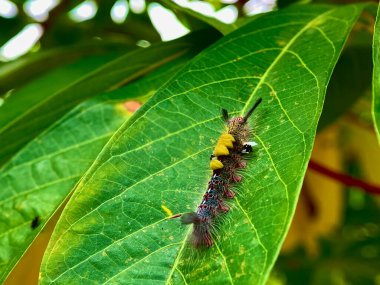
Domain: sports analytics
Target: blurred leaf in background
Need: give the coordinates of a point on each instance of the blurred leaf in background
(335, 235)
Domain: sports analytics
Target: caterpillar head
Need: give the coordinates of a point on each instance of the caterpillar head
(238, 125)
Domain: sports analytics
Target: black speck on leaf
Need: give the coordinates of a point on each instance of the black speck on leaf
(35, 223)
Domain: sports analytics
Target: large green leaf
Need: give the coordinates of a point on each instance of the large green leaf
(114, 229)
(376, 76)
(25, 114)
(37, 180)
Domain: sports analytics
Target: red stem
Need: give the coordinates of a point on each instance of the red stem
(344, 178)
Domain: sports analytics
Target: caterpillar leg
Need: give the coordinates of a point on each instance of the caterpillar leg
(236, 178)
(242, 164)
(228, 194)
(223, 208)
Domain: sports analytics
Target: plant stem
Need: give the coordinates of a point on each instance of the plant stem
(344, 178)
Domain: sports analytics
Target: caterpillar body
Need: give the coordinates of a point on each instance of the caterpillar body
(225, 162)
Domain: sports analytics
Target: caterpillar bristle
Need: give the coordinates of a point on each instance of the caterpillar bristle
(189, 218)
(202, 235)
(249, 113)
(225, 115)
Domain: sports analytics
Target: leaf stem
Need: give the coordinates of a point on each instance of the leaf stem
(344, 178)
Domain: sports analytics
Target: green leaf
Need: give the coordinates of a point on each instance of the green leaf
(16, 73)
(39, 178)
(351, 79)
(220, 26)
(114, 229)
(19, 102)
(28, 112)
(376, 76)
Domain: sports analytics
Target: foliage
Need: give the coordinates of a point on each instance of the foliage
(71, 140)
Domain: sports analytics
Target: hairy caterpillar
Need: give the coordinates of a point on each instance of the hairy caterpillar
(226, 160)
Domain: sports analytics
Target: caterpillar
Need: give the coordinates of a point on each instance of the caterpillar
(225, 161)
